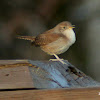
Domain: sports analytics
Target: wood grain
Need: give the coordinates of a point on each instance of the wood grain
(17, 77)
(6, 62)
(42, 75)
(19, 80)
(55, 94)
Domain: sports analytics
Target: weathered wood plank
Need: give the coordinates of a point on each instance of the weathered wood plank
(42, 74)
(54, 94)
(4, 62)
(56, 75)
(17, 77)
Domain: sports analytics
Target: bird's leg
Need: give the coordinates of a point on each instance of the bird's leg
(58, 59)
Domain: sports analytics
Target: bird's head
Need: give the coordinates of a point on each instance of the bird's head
(66, 28)
(63, 26)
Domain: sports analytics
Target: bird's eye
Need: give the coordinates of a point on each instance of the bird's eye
(64, 27)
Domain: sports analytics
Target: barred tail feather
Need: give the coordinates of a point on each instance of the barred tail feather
(30, 38)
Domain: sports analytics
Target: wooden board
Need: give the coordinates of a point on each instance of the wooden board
(15, 76)
(42, 74)
(19, 80)
(57, 94)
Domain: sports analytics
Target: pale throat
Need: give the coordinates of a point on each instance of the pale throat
(69, 33)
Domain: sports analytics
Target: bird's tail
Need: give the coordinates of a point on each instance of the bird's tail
(30, 38)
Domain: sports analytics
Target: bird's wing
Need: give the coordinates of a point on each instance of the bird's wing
(44, 39)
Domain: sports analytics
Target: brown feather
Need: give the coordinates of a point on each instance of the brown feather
(54, 41)
(30, 38)
(44, 39)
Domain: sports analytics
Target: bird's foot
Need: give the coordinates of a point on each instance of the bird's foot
(61, 60)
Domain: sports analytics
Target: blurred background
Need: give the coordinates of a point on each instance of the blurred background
(32, 17)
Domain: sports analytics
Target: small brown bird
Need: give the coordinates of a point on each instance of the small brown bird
(54, 41)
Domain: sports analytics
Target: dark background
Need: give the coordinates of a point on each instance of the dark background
(32, 17)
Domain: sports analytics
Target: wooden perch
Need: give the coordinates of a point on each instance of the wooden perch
(28, 74)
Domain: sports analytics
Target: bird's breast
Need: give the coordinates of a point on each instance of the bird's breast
(69, 33)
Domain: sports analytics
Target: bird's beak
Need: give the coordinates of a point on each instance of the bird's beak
(71, 27)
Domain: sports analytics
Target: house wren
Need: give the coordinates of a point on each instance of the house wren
(54, 41)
